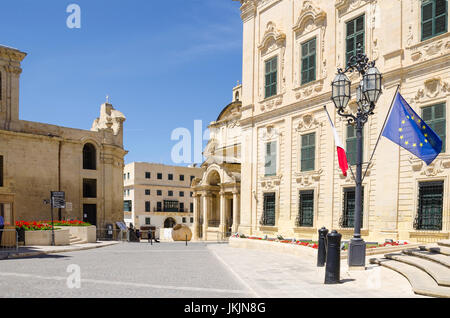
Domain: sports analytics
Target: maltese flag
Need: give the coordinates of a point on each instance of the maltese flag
(342, 157)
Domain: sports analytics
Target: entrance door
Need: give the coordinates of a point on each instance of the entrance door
(90, 213)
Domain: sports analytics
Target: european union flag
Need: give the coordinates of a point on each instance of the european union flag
(408, 130)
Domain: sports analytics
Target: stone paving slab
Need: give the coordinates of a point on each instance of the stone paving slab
(271, 274)
(32, 251)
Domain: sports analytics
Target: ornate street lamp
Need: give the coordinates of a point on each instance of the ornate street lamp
(367, 94)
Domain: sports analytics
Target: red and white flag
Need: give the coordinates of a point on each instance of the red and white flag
(342, 157)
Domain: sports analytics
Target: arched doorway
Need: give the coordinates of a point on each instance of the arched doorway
(169, 223)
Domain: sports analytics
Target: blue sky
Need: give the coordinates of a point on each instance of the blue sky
(164, 64)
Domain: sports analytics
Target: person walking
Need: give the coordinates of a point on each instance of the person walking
(2, 226)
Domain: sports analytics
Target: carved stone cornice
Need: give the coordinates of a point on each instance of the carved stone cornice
(272, 32)
(248, 9)
(270, 183)
(438, 166)
(11, 54)
(13, 69)
(437, 46)
(308, 178)
(432, 88)
(349, 5)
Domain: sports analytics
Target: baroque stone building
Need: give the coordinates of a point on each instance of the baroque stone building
(158, 195)
(217, 192)
(37, 158)
(290, 180)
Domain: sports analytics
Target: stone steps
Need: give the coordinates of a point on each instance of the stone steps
(437, 249)
(75, 240)
(421, 282)
(427, 268)
(440, 273)
(435, 257)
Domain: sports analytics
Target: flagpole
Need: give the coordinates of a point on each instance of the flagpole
(381, 132)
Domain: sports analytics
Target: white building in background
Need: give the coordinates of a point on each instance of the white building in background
(158, 195)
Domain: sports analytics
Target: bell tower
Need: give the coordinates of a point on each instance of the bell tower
(10, 70)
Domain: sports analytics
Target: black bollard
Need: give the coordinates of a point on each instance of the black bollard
(322, 250)
(333, 266)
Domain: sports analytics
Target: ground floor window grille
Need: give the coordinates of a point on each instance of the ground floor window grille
(348, 214)
(306, 209)
(429, 214)
(268, 217)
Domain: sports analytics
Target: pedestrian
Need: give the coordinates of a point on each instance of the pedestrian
(2, 226)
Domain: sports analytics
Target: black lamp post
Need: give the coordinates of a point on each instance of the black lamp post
(367, 94)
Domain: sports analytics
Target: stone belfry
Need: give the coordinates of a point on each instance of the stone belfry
(10, 71)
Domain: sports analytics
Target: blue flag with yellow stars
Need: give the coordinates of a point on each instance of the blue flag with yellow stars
(408, 130)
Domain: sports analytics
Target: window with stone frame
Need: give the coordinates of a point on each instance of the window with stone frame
(308, 70)
(430, 206)
(434, 18)
(270, 164)
(147, 175)
(268, 217)
(434, 116)
(354, 37)
(147, 206)
(306, 208)
(348, 214)
(89, 188)
(308, 152)
(127, 205)
(271, 71)
(351, 142)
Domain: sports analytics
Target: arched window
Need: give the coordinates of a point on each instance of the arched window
(236, 97)
(89, 157)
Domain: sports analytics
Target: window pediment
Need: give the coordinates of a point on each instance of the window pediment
(310, 17)
(272, 39)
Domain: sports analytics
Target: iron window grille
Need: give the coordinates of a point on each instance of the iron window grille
(429, 214)
(347, 219)
(305, 215)
(268, 217)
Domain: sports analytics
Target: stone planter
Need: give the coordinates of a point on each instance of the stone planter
(44, 238)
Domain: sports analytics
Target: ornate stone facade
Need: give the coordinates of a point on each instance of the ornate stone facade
(392, 38)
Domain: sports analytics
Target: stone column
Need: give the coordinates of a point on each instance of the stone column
(206, 200)
(236, 211)
(196, 217)
(222, 226)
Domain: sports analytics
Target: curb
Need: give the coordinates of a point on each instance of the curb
(66, 250)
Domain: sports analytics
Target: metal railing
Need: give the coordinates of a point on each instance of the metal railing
(9, 239)
(430, 222)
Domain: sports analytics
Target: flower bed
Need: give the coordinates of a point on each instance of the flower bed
(314, 244)
(47, 225)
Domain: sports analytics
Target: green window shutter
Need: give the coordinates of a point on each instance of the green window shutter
(306, 208)
(271, 159)
(308, 152)
(269, 209)
(429, 214)
(434, 18)
(308, 70)
(354, 37)
(434, 116)
(351, 144)
(271, 77)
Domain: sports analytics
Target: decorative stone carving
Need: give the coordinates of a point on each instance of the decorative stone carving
(308, 121)
(428, 49)
(437, 167)
(270, 133)
(310, 17)
(270, 184)
(272, 103)
(308, 178)
(110, 118)
(432, 88)
(349, 5)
